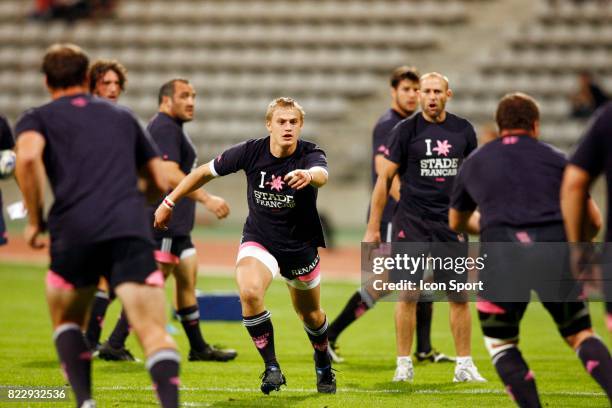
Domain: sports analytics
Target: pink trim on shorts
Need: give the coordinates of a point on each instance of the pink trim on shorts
(487, 307)
(166, 257)
(314, 274)
(55, 281)
(252, 244)
(155, 279)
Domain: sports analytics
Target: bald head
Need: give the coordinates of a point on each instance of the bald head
(437, 75)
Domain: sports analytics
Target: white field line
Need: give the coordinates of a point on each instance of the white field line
(362, 391)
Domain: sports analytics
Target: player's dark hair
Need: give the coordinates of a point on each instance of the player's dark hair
(167, 89)
(517, 111)
(99, 68)
(403, 72)
(65, 65)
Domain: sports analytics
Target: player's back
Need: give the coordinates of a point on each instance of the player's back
(92, 153)
(515, 182)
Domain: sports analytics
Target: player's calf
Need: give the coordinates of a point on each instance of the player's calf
(596, 359)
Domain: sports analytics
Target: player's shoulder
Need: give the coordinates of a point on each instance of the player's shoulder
(162, 121)
(4, 121)
(308, 146)
(552, 151)
(389, 117)
(458, 122)
(407, 125)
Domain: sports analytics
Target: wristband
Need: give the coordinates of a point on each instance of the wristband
(310, 174)
(168, 203)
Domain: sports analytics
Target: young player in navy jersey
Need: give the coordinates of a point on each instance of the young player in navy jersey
(522, 206)
(592, 157)
(404, 83)
(281, 234)
(6, 143)
(426, 151)
(92, 152)
(107, 79)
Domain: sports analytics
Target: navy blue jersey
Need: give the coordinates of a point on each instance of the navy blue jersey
(380, 143)
(282, 219)
(429, 156)
(515, 181)
(6, 136)
(594, 153)
(92, 154)
(176, 146)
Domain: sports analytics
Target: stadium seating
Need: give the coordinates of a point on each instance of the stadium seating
(332, 55)
(544, 58)
(238, 54)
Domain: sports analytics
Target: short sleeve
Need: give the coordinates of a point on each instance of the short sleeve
(231, 160)
(146, 149)
(396, 149)
(29, 121)
(461, 200)
(168, 139)
(380, 138)
(592, 151)
(6, 136)
(316, 158)
(472, 141)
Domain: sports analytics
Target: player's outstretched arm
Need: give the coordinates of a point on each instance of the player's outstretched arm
(314, 176)
(194, 180)
(380, 196)
(30, 174)
(215, 204)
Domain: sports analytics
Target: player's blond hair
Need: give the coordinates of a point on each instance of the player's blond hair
(284, 102)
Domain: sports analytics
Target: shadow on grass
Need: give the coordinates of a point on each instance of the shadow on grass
(402, 388)
(119, 367)
(270, 401)
(42, 364)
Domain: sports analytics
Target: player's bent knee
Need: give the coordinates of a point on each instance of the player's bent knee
(252, 295)
(575, 340)
(495, 346)
(313, 317)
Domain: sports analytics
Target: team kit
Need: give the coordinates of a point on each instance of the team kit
(123, 230)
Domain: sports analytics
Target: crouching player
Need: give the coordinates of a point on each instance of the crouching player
(281, 234)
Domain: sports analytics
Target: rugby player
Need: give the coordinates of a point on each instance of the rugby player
(404, 84)
(92, 152)
(592, 157)
(522, 207)
(426, 151)
(282, 232)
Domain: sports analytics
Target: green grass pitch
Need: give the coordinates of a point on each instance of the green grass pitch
(27, 357)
